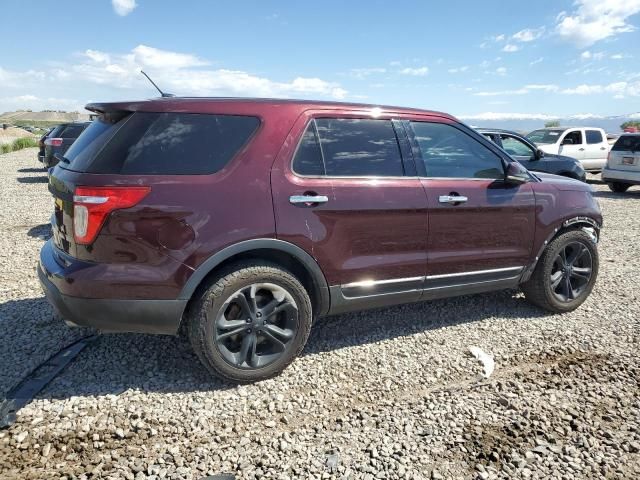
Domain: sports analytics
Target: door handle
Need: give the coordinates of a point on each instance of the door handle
(603, 148)
(308, 199)
(452, 199)
(581, 149)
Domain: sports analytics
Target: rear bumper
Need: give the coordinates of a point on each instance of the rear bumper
(109, 315)
(622, 176)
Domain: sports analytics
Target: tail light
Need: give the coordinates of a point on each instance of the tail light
(53, 142)
(92, 205)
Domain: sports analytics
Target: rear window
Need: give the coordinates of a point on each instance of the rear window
(72, 131)
(146, 143)
(627, 143)
(545, 136)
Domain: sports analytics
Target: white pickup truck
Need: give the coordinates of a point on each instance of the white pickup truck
(588, 145)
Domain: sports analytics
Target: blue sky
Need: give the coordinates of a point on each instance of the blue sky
(477, 60)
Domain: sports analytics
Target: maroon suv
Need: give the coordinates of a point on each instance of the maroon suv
(247, 219)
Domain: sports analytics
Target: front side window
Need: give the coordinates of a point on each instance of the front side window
(516, 147)
(448, 152)
(573, 138)
(594, 137)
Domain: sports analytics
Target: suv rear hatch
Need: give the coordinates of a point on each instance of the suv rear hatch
(625, 154)
(120, 158)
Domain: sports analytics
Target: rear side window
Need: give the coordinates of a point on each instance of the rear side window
(627, 143)
(165, 144)
(448, 152)
(594, 136)
(55, 132)
(72, 131)
(346, 147)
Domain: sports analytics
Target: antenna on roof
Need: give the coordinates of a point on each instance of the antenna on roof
(162, 94)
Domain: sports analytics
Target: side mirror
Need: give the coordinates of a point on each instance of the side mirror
(539, 154)
(516, 174)
(567, 141)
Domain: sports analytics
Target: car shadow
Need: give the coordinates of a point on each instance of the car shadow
(32, 170)
(42, 231)
(44, 179)
(630, 194)
(167, 364)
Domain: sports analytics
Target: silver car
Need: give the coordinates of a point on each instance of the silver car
(623, 165)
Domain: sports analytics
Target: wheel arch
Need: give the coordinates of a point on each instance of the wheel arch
(588, 224)
(285, 254)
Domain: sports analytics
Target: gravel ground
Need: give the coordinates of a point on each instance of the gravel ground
(388, 393)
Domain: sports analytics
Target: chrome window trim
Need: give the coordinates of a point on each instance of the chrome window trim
(371, 283)
(475, 272)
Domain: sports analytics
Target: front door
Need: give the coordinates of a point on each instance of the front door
(343, 193)
(596, 150)
(481, 228)
(572, 144)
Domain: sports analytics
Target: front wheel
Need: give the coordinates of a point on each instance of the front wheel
(565, 274)
(250, 323)
(618, 187)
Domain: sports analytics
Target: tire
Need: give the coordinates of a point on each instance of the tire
(276, 329)
(540, 289)
(618, 187)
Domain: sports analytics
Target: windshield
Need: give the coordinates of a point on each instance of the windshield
(545, 136)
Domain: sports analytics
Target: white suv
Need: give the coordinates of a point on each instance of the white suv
(588, 145)
(623, 166)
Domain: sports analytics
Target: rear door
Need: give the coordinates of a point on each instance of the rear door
(596, 150)
(572, 144)
(344, 191)
(480, 227)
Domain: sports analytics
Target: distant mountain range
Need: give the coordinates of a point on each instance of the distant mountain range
(527, 122)
(26, 116)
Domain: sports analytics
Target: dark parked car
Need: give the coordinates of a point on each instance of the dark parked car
(247, 219)
(532, 157)
(59, 140)
(41, 143)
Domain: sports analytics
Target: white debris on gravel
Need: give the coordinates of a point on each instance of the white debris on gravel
(383, 394)
(487, 361)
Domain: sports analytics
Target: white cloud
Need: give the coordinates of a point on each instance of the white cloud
(123, 7)
(366, 72)
(458, 69)
(595, 20)
(508, 116)
(175, 72)
(416, 72)
(618, 89)
(528, 34)
(536, 61)
(499, 38)
(510, 48)
(544, 87)
(33, 102)
(585, 55)
(501, 71)
(520, 91)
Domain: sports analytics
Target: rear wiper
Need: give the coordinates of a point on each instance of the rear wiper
(61, 158)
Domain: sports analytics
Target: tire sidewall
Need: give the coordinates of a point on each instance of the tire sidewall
(219, 293)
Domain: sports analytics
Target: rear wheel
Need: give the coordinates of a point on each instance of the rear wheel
(619, 187)
(250, 323)
(565, 274)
